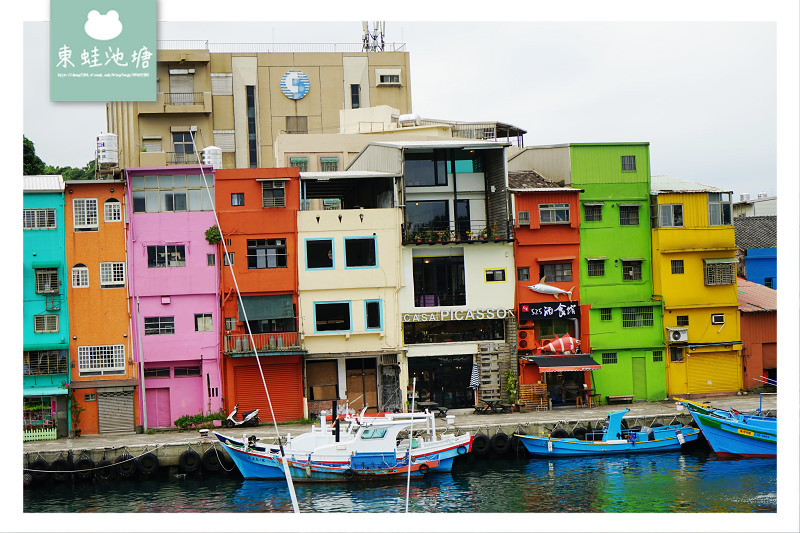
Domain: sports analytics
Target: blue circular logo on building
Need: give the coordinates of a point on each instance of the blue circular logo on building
(294, 85)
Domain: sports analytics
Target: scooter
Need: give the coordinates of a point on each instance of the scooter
(250, 418)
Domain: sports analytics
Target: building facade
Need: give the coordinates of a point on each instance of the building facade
(758, 310)
(174, 291)
(104, 378)
(694, 271)
(757, 249)
(45, 317)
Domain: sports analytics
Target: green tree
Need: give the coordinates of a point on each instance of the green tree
(32, 165)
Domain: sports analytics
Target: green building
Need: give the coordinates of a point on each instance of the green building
(625, 332)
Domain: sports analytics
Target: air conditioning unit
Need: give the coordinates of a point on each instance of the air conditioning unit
(678, 334)
(718, 319)
(524, 339)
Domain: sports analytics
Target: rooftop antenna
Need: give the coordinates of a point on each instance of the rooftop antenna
(372, 41)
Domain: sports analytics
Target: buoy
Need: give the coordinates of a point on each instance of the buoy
(461, 450)
(189, 461)
(148, 463)
(500, 443)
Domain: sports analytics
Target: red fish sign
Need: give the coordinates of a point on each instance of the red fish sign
(565, 344)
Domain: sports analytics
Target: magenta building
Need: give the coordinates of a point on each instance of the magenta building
(174, 290)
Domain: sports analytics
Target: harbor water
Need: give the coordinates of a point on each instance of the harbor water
(696, 482)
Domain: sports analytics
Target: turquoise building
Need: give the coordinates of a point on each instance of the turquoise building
(45, 332)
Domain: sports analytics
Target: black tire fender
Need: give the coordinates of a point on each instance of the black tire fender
(210, 460)
(559, 433)
(125, 465)
(39, 469)
(105, 470)
(148, 464)
(500, 443)
(84, 468)
(60, 470)
(579, 433)
(349, 474)
(189, 461)
(480, 444)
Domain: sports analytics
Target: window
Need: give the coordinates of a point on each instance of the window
(592, 212)
(453, 331)
(386, 76)
(159, 325)
(38, 218)
(203, 322)
(46, 280)
(637, 317)
(439, 281)
(80, 276)
(677, 266)
(609, 358)
(425, 169)
(328, 164)
(112, 210)
(332, 316)
(769, 282)
(44, 362)
(553, 213)
(372, 313)
(355, 95)
(167, 256)
(237, 198)
(719, 209)
(186, 371)
(720, 271)
(523, 273)
(151, 144)
(629, 215)
(252, 144)
(553, 328)
(84, 214)
(230, 323)
(360, 252)
(112, 274)
(273, 193)
(296, 124)
(596, 267)
(631, 270)
(181, 86)
(373, 433)
(428, 216)
(670, 216)
(266, 253)
(497, 274)
(183, 149)
(154, 194)
(162, 372)
(524, 218)
(658, 356)
(211, 259)
(319, 253)
(605, 313)
(104, 360)
(90, 397)
(227, 259)
(45, 323)
(628, 163)
(556, 271)
(676, 354)
(682, 320)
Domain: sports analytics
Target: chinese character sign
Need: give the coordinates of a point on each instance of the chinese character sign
(102, 50)
(534, 311)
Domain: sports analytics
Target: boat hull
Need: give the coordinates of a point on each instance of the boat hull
(738, 436)
(571, 447)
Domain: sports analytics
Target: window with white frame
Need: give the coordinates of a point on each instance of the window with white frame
(112, 210)
(103, 360)
(553, 213)
(670, 216)
(38, 219)
(84, 214)
(273, 193)
(165, 256)
(159, 325)
(80, 276)
(112, 274)
(387, 76)
(45, 323)
(203, 322)
(719, 209)
(46, 280)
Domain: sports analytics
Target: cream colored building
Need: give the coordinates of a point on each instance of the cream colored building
(241, 97)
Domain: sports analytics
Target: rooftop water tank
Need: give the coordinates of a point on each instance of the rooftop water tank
(212, 155)
(107, 150)
(744, 197)
(762, 195)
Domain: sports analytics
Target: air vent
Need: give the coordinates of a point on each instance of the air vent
(718, 319)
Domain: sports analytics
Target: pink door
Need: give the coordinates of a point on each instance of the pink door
(158, 413)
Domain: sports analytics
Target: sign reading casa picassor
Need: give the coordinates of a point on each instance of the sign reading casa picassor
(102, 50)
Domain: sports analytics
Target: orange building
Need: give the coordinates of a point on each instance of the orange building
(546, 252)
(104, 379)
(257, 211)
(758, 308)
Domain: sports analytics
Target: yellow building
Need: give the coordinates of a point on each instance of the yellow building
(240, 97)
(694, 271)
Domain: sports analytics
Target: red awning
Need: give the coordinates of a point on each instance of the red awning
(566, 363)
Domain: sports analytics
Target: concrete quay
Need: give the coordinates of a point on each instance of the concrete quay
(169, 445)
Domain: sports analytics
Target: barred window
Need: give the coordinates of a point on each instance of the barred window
(629, 215)
(553, 213)
(300, 163)
(720, 273)
(631, 270)
(658, 356)
(683, 320)
(112, 210)
(628, 163)
(44, 362)
(605, 313)
(80, 276)
(38, 219)
(592, 212)
(328, 164)
(45, 323)
(103, 360)
(609, 358)
(84, 214)
(637, 317)
(112, 274)
(159, 325)
(596, 267)
(273, 193)
(677, 266)
(46, 280)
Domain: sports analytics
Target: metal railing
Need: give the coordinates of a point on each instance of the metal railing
(239, 343)
(458, 232)
(234, 48)
(184, 98)
(182, 158)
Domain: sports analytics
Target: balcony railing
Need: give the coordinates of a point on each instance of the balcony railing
(182, 158)
(458, 232)
(239, 343)
(185, 98)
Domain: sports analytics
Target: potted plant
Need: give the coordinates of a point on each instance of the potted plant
(213, 236)
(512, 389)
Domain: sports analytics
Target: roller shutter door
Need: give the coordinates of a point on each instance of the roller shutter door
(115, 412)
(284, 381)
(714, 373)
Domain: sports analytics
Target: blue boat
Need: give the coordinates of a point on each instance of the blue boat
(612, 439)
(734, 434)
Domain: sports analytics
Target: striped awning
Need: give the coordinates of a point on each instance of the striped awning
(566, 363)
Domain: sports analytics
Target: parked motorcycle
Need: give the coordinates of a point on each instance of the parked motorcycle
(250, 418)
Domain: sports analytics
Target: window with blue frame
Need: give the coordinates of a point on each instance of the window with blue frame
(332, 316)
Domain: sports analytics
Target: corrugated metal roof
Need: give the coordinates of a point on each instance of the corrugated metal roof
(448, 143)
(755, 298)
(43, 183)
(665, 184)
(341, 174)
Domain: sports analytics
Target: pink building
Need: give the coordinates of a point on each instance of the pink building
(174, 290)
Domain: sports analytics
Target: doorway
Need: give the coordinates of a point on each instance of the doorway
(362, 384)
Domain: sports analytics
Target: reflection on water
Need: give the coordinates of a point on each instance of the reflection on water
(659, 483)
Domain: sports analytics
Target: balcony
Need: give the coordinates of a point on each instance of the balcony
(182, 158)
(188, 102)
(239, 343)
(458, 232)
